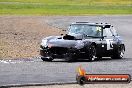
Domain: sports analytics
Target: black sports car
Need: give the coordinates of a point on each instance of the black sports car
(83, 41)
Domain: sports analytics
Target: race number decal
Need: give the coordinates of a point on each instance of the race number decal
(109, 44)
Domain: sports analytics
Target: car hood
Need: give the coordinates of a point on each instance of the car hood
(68, 41)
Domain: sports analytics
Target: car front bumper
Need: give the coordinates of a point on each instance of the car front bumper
(58, 52)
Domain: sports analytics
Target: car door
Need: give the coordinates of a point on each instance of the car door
(108, 42)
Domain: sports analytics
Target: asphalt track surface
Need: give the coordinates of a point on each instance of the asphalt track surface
(35, 71)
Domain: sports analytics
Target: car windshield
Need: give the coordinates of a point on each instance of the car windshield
(87, 30)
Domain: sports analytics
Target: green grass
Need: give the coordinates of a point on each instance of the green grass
(65, 7)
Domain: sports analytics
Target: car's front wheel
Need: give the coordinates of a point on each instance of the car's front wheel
(92, 53)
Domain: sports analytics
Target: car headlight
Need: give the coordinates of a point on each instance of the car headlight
(79, 45)
(44, 42)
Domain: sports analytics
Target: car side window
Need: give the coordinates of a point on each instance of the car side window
(114, 31)
(107, 32)
(93, 31)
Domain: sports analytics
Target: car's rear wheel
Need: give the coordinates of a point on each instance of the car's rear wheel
(119, 53)
(92, 53)
(47, 59)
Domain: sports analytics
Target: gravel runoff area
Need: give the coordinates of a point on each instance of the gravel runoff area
(20, 36)
(84, 86)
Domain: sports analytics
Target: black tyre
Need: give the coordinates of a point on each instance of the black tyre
(47, 59)
(119, 53)
(92, 53)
